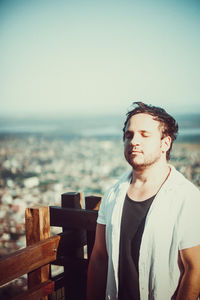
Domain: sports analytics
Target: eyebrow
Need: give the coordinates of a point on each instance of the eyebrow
(142, 131)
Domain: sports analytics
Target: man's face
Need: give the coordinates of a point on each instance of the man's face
(143, 145)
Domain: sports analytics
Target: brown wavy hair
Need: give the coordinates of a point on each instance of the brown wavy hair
(168, 123)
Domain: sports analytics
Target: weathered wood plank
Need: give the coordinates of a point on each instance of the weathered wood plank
(73, 277)
(72, 263)
(37, 225)
(73, 218)
(58, 295)
(37, 292)
(72, 200)
(93, 202)
(59, 281)
(28, 259)
(70, 241)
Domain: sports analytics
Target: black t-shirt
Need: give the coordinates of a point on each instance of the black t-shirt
(132, 227)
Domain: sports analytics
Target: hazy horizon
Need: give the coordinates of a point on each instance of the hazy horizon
(89, 126)
(17, 114)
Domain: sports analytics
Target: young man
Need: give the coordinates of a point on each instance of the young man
(147, 242)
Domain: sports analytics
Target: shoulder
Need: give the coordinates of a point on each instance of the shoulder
(121, 181)
(110, 197)
(111, 193)
(180, 185)
(181, 193)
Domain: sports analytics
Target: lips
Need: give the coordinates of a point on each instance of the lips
(135, 152)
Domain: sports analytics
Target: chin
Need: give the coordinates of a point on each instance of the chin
(138, 167)
(136, 164)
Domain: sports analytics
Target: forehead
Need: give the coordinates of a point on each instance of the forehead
(143, 122)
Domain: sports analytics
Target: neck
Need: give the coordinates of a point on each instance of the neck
(154, 174)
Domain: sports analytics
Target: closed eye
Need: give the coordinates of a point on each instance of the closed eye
(145, 134)
(129, 135)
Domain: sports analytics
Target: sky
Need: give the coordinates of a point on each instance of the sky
(81, 57)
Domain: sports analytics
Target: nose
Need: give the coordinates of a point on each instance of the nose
(135, 141)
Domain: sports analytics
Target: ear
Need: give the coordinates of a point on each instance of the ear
(166, 143)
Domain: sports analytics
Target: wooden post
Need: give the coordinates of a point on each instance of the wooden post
(37, 226)
(91, 202)
(75, 278)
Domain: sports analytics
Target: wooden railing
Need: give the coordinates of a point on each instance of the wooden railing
(70, 249)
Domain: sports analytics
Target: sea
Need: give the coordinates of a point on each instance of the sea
(108, 126)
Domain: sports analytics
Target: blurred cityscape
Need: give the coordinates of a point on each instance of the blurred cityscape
(37, 169)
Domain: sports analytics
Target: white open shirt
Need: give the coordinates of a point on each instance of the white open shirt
(172, 224)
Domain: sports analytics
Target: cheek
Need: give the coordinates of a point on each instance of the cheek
(126, 144)
(153, 145)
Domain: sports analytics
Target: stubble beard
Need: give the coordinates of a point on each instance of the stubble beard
(139, 166)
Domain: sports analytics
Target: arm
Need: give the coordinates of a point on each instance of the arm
(189, 288)
(97, 270)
